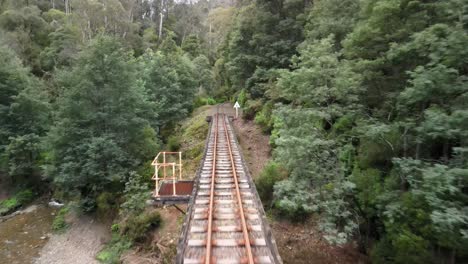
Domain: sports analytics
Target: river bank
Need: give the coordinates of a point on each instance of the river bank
(79, 244)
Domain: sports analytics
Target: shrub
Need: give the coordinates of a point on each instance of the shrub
(264, 118)
(59, 225)
(9, 205)
(251, 108)
(25, 196)
(173, 143)
(135, 195)
(111, 253)
(135, 228)
(106, 201)
(242, 98)
(201, 101)
(271, 174)
(13, 203)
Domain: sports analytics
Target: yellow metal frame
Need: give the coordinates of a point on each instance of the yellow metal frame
(161, 163)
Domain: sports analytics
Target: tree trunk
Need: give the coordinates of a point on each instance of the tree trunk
(67, 7)
(161, 19)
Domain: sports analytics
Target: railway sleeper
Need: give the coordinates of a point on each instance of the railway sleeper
(257, 260)
(222, 229)
(258, 242)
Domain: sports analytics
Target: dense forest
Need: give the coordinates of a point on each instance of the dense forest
(366, 102)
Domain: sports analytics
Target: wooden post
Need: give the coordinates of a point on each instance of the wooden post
(173, 178)
(164, 164)
(156, 171)
(180, 165)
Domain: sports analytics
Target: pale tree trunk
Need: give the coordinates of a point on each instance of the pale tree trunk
(210, 36)
(53, 3)
(161, 19)
(67, 7)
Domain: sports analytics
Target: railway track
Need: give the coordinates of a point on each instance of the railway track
(226, 222)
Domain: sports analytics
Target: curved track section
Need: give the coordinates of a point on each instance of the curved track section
(226, 222)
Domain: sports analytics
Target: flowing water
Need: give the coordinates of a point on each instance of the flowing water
(23, 236)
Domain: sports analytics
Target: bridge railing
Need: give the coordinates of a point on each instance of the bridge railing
(167, 167)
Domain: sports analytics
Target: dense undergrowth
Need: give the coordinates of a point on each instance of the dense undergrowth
(367, 116)
(365, 102)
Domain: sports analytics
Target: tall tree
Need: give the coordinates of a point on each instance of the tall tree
(102, 131)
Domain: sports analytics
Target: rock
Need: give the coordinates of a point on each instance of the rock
(43, 237)
(55, 204)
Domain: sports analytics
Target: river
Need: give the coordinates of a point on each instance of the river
(23, 236)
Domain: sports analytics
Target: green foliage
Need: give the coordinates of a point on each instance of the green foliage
(271, 174)
(204, 75)
(263, 36)
(264, 117)
(19, 199)
(26, 32)
(24, 116)
(173, 143)
(59, 225)
(251, 108)
(201, 101)
(170, 82)
(106, 201)
(191, 45)
(135, 227)
(8, 205)
(135, 194)
(98, 140)
(368, 117)
(242, 97)
(112, 251)
(25, 196)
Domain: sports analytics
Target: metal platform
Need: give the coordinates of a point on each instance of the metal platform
(183, 191)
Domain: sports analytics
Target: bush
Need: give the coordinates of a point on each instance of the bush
(201, 101)
(251, 108)
(25, 196)
(264, 118)
(242, 97)
(106, 201)
(173, 143)
(271, 174)
(9, 205)
(112, 252)
(15, 202)
(59, 225)
(135, 228)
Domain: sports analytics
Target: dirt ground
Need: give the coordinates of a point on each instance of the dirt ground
(298, 243)
(255, 145)
(79, 245)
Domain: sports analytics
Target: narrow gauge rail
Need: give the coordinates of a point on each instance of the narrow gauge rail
(226, 222)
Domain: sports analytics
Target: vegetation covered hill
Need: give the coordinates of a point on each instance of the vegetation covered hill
(366, 102)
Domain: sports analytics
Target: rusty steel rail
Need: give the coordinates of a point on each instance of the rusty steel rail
(210, 209)
(239, 200)
(225, 222)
